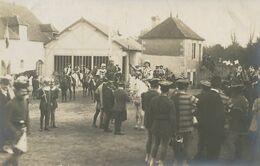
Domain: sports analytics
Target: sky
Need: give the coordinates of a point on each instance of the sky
(214, 20)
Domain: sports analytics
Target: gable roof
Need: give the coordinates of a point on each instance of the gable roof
(127, 44)
(14, 15)
(172, 28)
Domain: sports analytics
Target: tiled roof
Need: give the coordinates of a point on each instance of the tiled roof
(172, 28)
(130, 44)
(48, 28)
(12, 15)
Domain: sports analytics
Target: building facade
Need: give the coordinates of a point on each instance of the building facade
(89, 44)
(175, 46)
(22, 38)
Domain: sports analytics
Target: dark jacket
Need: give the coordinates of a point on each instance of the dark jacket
(120, 100)
(108, 98)
(163, 116)
(3, 101)
(146, 98)
(48, 99)
(239, 115)
(35, 83)
(17, 115)
(211, 115)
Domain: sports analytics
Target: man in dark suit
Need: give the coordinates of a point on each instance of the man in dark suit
(163, 115)
(205, 88)
(211, 115)
(107, 105)
(4, 98)
(146, 98)
(17, 120)
(120, 110)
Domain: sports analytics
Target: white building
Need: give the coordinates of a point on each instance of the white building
(22, 38)
(89, 44)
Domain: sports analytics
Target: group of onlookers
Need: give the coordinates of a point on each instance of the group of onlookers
(172, 114)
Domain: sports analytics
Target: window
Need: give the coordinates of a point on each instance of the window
(39, 67)
(98, 60)
(82, 61)
(193, 50)
(60, 62)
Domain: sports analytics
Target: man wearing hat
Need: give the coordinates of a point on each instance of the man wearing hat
(17, 119)
(147, 71)
(111, 70)
(68, 70)
(4, 98)
(205, 88)
(161, 72)
(212, 120)
(185, 106)
(107, 104)
(239, 121)
(102, 71)
(156, 72)
(146, 98)
(162, 112)
(120, 111)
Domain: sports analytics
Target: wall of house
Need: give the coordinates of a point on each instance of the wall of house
(81, 40)
(192, 63)
(174, 64)
(163, 47)
(21, 54)
(177, 55)
(135, 58)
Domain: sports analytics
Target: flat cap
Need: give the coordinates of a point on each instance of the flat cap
(165, 83)
(153, 80)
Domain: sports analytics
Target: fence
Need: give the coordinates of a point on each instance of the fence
(60, 62)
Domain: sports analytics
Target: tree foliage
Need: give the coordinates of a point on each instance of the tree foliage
(247, 56)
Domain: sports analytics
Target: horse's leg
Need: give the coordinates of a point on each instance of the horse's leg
(83, 93)
(70, 92)
(65, 95)
(62, 95)
(84, 90)
(74, 91)
(91, 93)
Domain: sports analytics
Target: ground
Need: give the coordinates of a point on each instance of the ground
(76, 143)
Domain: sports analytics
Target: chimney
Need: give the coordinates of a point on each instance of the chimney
(155, 21)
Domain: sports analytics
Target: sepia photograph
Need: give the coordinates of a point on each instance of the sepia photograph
(129, 83)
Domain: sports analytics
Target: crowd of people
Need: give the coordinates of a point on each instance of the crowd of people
(226, 110)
